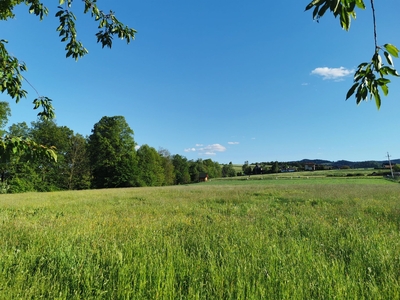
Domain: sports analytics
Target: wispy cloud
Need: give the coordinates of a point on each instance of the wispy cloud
(206, 150)
(212, 149)
(233, 143)
(336, 74)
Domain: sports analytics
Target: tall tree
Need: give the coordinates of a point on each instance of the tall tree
(20, 173)
(181, 169)
(228, 170)
(16, 150)
(112, 153)
(20, 129)
(78, 162)
(150, 169)
(213, 169)
(168, 166)
(54, 176)
(275, 167)
(246, 168)
(5, 112)
(195, 168)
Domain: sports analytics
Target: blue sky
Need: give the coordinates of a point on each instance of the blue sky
(227, 80)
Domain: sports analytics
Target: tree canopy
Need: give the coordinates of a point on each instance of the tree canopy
(112, 153)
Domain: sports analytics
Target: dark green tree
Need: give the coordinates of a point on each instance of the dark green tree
(112, 153)
(228, 170)
(275, 167)
(181, 169)
(20, 129)
(195, 168)
(168, 166)
(77, 158)
(21, 175)
(5, 112)
(246, 168)
(54, 175)
(150, 169)
(213, 169)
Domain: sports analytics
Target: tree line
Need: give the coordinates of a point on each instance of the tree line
(108, 158)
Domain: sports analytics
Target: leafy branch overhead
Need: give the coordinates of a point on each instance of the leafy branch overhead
(371, 77)
(11, 68)
(108, 24)
(10, 145)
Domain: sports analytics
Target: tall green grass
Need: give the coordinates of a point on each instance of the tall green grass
(245, 240)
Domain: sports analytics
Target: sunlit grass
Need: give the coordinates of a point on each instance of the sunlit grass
(261, 239)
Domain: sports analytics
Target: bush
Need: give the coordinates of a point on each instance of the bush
(21, 185)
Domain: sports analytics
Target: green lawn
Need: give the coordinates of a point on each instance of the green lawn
(315, 238)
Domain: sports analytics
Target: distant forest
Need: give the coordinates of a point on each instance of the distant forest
(110, 158)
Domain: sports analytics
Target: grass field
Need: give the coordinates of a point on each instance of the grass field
(286, 238)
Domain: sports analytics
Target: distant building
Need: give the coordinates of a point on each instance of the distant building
(203, 177)
(309, 166)
(387, 165)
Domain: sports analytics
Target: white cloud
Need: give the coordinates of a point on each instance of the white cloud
(207, 150)
(213, 148)
(233, 143)
(209, 153)
(332, 73)
(305, 83)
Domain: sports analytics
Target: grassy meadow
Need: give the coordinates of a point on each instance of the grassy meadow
(316, 238)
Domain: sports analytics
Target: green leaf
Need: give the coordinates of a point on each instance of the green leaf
(344, 19)
(313, 3)
(392, 49)
(382, 81)
(323, 9)
(334, 5)
(377, 100)
(377, 61)
(388, 58)
(360, 4)
(59, 13)
(362, 65)
(385, 89)
(351, 90)
(390, 71)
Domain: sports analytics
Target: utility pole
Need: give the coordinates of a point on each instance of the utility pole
(390, 164)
